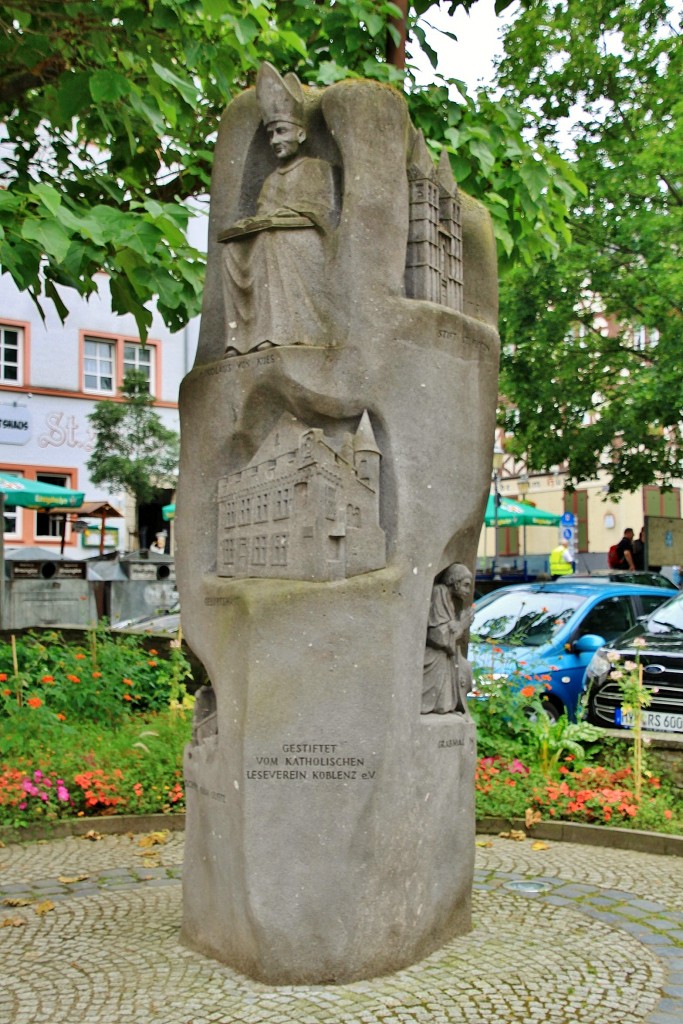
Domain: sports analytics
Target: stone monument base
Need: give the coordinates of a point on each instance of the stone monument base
(330, 825)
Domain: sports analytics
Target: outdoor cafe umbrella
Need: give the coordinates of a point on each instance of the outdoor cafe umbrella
(517, 513)
(17, 490)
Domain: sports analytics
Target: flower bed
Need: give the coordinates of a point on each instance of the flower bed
(92, 728)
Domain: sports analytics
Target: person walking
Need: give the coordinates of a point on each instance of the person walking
(624, 552)
(560, 561)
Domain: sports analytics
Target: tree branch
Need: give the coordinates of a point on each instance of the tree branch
(17, 84)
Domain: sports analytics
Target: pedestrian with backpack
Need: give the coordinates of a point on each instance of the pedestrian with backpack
(620, 556)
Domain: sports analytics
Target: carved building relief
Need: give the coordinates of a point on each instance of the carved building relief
(303, 508)
(434, 265)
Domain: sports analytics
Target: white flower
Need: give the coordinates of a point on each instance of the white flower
(630, 665)
(616, 674)
(612, 656)
(640, 642)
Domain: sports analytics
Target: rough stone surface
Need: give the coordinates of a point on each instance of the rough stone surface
(586, 950)
(329, 822)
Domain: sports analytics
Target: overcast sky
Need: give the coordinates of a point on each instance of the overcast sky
(471, 58)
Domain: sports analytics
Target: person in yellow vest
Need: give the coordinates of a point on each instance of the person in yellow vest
(561, 560)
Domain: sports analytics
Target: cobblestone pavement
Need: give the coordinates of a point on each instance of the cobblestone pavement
(564, 933)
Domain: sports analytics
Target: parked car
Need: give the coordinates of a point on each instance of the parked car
(553, 630)
(642, 577)
(662, 661)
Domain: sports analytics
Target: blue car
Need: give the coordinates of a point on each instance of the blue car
(553, 630)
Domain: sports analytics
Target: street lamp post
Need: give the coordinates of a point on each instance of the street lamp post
(523, 488)
(498, 456)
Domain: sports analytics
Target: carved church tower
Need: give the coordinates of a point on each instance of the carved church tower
(366, 454)
(423, 277)
(450, 236)
(434, 256)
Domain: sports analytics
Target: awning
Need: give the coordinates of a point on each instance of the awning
(517, 513)
(17, 490)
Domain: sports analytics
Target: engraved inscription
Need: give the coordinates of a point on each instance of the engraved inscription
(311, 762)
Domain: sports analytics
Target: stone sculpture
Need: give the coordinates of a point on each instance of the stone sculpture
(337, 431)
(274, 261)
(447, 673)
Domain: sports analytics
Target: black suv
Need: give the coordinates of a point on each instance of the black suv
(662, 661)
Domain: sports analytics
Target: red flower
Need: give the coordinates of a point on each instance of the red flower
(3, 677)
(668, 814)
(48, 679)
(527, 691)
(79, 657)
(34, 702)
(127, 696)
(61, 717)
(73, 679)
(128, 682)
(97, 675)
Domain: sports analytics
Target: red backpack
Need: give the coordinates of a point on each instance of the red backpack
(613, 559)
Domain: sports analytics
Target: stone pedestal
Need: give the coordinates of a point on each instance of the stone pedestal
(324, 487)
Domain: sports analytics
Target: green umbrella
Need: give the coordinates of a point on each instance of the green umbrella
(517, 513)
(32, 494)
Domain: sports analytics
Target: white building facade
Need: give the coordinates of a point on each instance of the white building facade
(52, 375)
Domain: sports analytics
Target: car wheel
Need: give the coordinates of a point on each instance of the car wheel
(550, 709)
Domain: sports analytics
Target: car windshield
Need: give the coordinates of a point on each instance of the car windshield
(525, 618)
(668, 618)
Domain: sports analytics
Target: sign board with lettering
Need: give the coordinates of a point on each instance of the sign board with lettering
(30, 570)
(664, 539)
(15, 424)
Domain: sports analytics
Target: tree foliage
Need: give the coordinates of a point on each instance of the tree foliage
(134, 450)
(612, 71)
(110, 109)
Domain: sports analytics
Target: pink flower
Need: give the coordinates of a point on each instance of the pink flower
(62, 794)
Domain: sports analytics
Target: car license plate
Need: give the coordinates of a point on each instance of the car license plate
(653, 721)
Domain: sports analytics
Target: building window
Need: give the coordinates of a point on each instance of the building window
(47, 526)
(107, 359)
(261, 508)
(11, 352)
(330, 502)
(229, 550)
(244, 513)
(12, 513)
(259, 551)
(279, 553)
(283, 503)
(98, 366)
(139, 358)
(659, 501)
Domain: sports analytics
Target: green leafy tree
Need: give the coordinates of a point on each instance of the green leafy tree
(110, 109)
(611, 71)
(134, 451)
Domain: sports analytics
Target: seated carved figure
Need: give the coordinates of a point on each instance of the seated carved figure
(274, 262)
